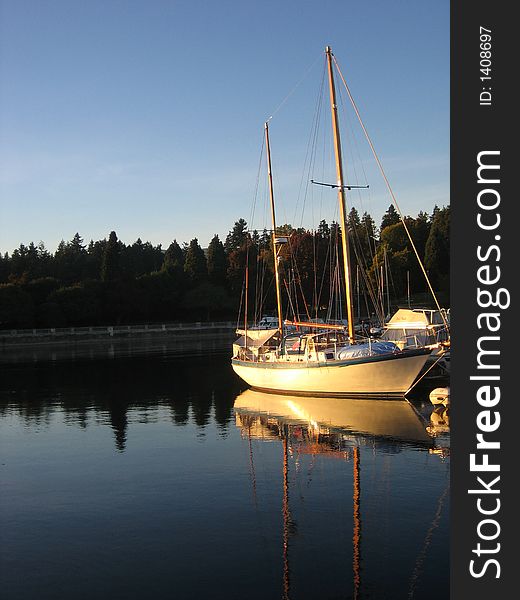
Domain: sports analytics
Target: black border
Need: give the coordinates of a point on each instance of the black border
(475, 128)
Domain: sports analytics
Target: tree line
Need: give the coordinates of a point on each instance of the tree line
(109, 282)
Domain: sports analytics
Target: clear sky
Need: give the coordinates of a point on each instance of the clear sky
(145, 117)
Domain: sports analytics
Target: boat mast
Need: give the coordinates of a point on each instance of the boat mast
(341, 195)
(273, 218)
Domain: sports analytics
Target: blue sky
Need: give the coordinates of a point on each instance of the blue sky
(146, 117)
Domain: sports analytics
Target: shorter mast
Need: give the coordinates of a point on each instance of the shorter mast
(341, 195)
(273, 218)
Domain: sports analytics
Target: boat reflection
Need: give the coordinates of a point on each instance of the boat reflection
(439, 429)
(439, 421)
(334, 419)
(332, 427)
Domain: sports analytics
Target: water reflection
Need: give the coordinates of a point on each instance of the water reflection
(118, 392)
(109, 348)
(338, 428)
(164, 466)
(440, 421)
(334, 419)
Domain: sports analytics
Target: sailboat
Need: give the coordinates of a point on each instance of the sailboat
(322, 359)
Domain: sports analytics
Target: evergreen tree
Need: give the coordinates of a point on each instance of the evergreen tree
(70, 260)
(353, 222)
(391, 217)
(323, 231)
(237, 237)
(76, 245)
(152, 257)
(173, 261)
(4, 267)
(354, 233)
(264, 241)
(195, 266)
(77, 256)
(217, 263)
(437, 252)
(19, 262)
(111, 255)
(368, 234)
(420, 230)
(94, 260)
(149, 284)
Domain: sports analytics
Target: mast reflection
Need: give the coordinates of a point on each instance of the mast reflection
(335, 427)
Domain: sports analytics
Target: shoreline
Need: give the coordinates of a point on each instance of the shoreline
(183, 339)
(56, 335)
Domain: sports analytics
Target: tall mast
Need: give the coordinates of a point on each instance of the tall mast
(341, 195)
(273, 218)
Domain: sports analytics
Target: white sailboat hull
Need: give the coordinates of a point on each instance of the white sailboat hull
(387, 375)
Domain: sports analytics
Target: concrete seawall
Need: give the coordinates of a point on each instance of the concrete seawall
(76, 334)
(34, 345)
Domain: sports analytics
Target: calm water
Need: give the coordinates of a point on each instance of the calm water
(157, 477)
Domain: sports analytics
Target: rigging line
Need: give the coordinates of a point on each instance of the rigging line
(241, 299)
(353, 229)
(334, 282)
(296, 293)
(310, 151)
(336, 285)
(260, 288)
(264, 297)
(292, 255)
(252, 215)
(357, 246)
(322, 167)
(252, 466)
(322, 284)
(440, 356)
(356, 536)
(312, 163)
(257, 184)
(257, 269)
(355, 146)
(302, 79)
(392, 280)
(390, 191)
(289, 298)
(370, 289)
(262, 285)
(422, 555)
(314, 297)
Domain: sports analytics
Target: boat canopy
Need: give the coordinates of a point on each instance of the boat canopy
(406, 318)
(254, 337)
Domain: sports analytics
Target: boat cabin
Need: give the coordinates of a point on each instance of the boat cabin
(418, 327)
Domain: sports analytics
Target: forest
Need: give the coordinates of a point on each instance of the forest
(108, 282)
